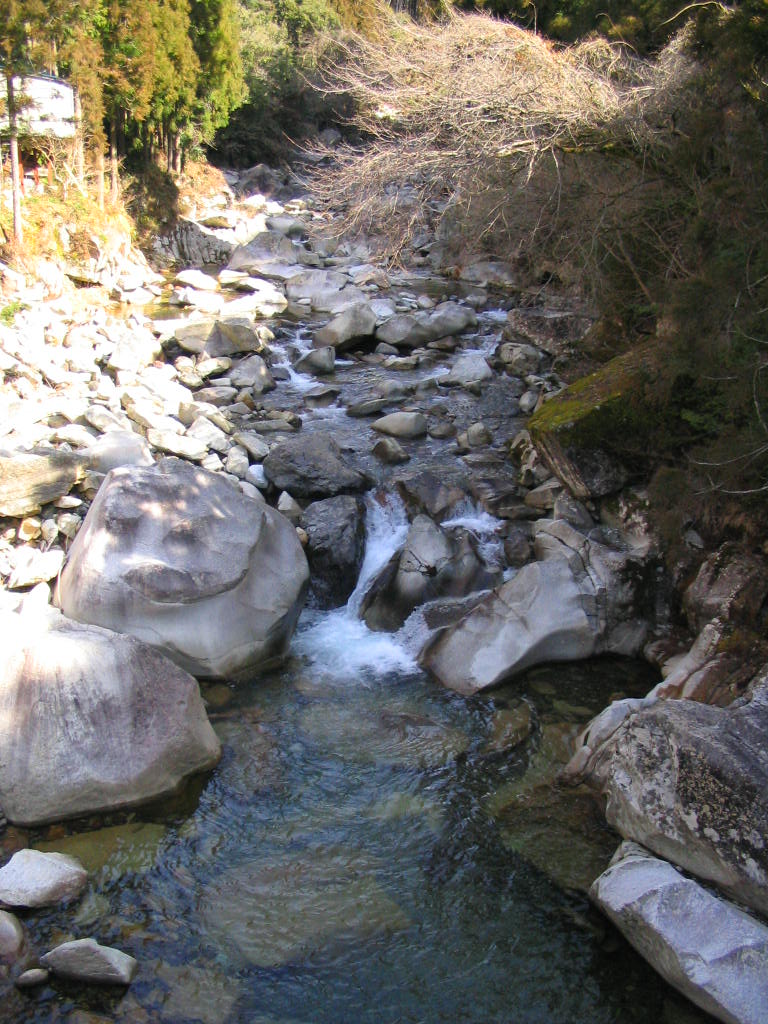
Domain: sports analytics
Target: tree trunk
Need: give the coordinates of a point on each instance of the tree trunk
(100, 177)
(176, 151)
(18, 230)
(79, 145)
(114, 193)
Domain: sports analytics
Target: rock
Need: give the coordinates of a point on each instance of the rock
(390, 451)
(34, 879)
(466, 372)
(32, 978)
(519, 360)
(198, 280)
(63, 761)
(185, 445)
(282, 911)
(425, 491)
(255, 445)
(352, 324)
(545, 495)
(582, 598)
(32, 565)
(336, 539)
(208, 434)
(431, 564)
(553, 330)
(86, 961)
(118, 448)
(689, 782)
(597, 432)
(177, 557)
(225, 337)
(312, 467)
(252, 372)
(31, 479)
(12, 938)
(217, 394)
(319, 361)
(707, 948)
(237, 462)
(192, 243)
(731, 585)
(402, 424)
(264, 249)
(411, 330)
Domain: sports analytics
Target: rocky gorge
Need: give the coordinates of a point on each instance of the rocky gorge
(189, 460)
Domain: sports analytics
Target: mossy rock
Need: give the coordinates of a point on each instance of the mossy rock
(608, 427)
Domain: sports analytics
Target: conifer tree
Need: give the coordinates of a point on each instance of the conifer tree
(18, 32)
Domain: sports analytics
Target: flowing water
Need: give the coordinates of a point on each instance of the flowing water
(372, 849)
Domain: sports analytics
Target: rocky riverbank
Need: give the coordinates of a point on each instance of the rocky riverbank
(182, 467)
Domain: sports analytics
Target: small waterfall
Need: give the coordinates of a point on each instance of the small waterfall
(338, 643)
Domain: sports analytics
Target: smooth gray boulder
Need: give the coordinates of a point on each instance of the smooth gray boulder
(177, 557)
(91, 720)
(312, 466)
(579, 599)
(402, 424)
(87, 961)
(467, 371)
(35, 879)
(690, 782)
(707, 948)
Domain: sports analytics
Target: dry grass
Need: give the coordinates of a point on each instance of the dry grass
(498, 139)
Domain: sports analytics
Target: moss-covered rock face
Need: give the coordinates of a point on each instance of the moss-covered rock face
(606, 428)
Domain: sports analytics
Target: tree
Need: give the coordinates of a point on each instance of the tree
(22, 21)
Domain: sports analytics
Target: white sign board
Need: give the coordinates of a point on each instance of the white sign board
(46, 107)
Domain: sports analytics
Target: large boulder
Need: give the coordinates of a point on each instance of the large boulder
(689, 782)
(431, 564)
(336, 531)
(312, 466)
(91, 720)
(596, 433)
(412, 330)
(707, 948)
(355, 322)
(579, 599)
(179, 558)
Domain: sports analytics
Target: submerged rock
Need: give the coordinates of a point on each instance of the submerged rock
(177, 557)
(91, 721)
(708, 949)
(284, 911)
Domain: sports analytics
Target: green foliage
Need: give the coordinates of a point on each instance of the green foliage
(9, 311)
(281, 108)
